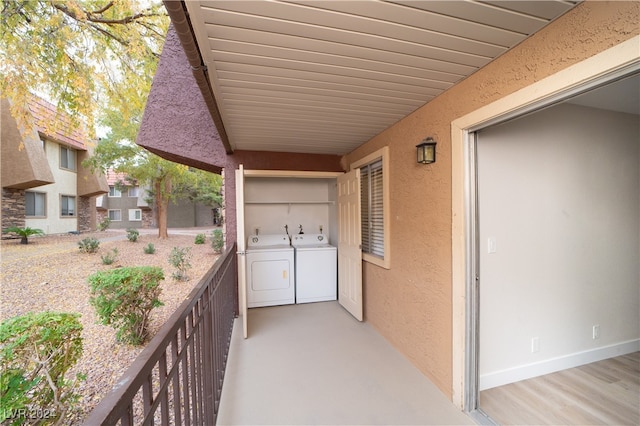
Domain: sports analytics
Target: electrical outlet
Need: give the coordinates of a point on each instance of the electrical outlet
(535, 344)
(596, 332)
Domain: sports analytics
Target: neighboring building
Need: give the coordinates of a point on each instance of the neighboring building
(126, 206)
(44, 184)
(555, 247)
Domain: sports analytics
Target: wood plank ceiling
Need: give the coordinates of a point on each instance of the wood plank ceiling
(325, 76)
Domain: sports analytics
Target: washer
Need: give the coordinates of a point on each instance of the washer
(316, 268)
(270, 267)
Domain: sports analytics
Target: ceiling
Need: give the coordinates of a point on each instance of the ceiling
(620, 96)
(326, 76)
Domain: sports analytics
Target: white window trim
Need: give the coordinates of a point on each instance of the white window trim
(114, 210)
(132, 218)
(137, 188)
(381, 154)
(115, 189)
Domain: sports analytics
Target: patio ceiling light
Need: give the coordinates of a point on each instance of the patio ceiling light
(427, 151)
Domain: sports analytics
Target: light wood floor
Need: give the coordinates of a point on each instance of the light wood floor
(604, 393)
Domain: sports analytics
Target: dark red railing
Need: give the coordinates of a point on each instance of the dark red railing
(177, 379)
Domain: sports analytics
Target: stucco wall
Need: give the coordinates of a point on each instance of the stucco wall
(24, 164)
(410, 304)
(65, 184)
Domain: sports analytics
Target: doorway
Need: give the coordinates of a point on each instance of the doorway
(558, 238)
(611, 65)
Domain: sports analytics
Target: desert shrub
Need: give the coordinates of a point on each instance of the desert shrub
(89, 245)
(132, 234)
(200, 239)
(124, 297)
(36, 351)
(110, 257)
(104, 225)
(24, 233)
(149, 248)
(180, 259)
(217, 240)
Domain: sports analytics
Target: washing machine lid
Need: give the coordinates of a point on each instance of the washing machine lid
(268, 240)
(310, 240)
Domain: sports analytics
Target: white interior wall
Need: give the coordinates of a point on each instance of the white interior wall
(272, 203)
(558, 193)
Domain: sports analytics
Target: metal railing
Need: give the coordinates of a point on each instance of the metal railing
(177, 379)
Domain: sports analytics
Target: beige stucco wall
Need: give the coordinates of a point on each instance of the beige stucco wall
(65, 184)
(411, 303)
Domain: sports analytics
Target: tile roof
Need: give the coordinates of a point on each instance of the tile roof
(57, 125)
(114, 177)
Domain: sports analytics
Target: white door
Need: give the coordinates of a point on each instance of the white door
(242, 257)
(349, 240)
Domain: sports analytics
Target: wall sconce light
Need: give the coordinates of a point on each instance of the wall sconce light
(427, 151)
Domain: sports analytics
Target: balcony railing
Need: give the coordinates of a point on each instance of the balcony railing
(177, 379)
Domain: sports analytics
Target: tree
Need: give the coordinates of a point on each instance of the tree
(167, 180)
(84, 55)
(24, 233)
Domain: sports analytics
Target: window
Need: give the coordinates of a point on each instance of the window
(133, 191)
(115, 215)
(35, 203)
(135, 215)
(374, 207)
(67, 158)
(67, 205)
(114, 192)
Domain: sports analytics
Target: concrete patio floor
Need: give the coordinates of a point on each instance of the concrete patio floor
(315, 364)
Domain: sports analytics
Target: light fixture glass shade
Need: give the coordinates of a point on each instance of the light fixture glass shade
(426, 151)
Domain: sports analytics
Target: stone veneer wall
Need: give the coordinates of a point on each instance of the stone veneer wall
(147, 218)
(13, 208)
(86, 214)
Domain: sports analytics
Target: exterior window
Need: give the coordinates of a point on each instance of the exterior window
(67, 158)
(35, 203)
(374, 207)
(114, 192)
(115, 215)
(67, 205)
(135, 215)
(133, 191)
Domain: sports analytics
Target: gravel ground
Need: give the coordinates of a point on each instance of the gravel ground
(50, 273)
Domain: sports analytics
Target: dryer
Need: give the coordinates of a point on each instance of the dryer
(270, 271)
(316, 268)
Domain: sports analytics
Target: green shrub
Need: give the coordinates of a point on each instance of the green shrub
(200, 239)
(104, 225)
(109, 258)
(180, 259)
(132, 234)
(217, 240)
(24, 233)
(36, 351)
(124, 297)
(150, 248)
(89, 245)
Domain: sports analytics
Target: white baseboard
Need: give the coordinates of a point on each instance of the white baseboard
(523, 372)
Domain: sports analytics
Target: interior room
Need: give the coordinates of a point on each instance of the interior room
(559, 243)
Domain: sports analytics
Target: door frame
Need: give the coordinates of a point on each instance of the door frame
(612, 64)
